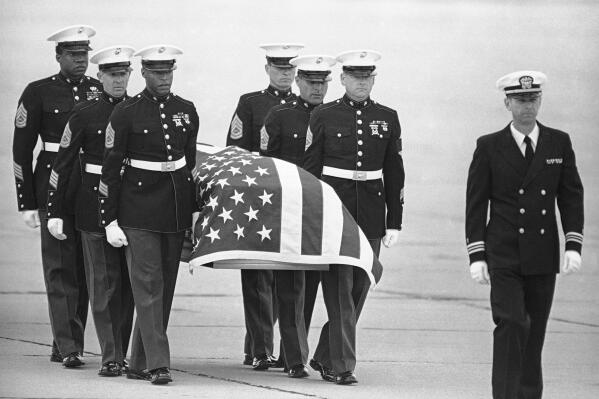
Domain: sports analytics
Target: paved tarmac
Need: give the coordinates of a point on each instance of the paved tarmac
(426, 331)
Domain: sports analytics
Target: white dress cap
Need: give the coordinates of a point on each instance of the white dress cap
(522, 82)
(75, 33)
(113, 55)
(282, 50)
(314, 67)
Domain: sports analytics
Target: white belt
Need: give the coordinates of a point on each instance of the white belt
(94, 169)
(169, 166)
(352, 174)
(50, 147)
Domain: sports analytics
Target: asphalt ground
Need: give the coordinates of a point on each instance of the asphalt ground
(426, 331)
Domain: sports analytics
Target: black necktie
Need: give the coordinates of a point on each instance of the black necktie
(529, 153)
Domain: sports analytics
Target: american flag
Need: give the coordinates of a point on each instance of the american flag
(266, 209)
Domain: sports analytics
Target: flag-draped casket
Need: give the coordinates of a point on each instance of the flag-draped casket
(267, 210)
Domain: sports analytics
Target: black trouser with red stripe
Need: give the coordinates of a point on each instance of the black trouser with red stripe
(153, 261)
(520, 306)
(110, 295)
(344, 289)
(64, 277)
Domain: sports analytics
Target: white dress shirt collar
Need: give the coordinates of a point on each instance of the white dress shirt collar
(519, 137)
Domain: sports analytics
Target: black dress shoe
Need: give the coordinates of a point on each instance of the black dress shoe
(325, 372)
(161, 376)
(110, 369)
(346, 378)
(248, 360)
(298, 371)
(73, 360)
(55, 357)
(144, 374)
(261, 363)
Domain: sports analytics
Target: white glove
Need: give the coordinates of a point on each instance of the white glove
(31, 218)
(391, 237)
(55, 228)
(572, 262)
(115, 235)
(479, 271)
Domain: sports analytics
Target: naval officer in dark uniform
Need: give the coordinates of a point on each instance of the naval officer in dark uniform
(521, 172)
(354, 145)
(43, 110)
(284, 136)
(244, 131)
(150, 207)
(105, 267)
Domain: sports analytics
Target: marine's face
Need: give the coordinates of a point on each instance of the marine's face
(280, 78)
(357, 88)
(158, 82)
(73, 64)
(114, 83)
(312, 92)
(524, 109)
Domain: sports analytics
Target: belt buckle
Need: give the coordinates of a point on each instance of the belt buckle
(359, 175)
(168, 166)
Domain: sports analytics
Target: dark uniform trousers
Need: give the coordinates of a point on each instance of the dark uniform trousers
(64, 277)
(284, 136)
(520, 243)
(153, 261)
(257, 286)
(42, 113)
(110, 295)
(344, 289)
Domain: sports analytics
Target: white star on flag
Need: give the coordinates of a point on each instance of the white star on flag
(205, 222)
(219, 159)
(251, 214)
(227, 163)
(264, 233)
(237, 197)
(213, 202)
(250, 181)
(246, 162)
(226, 215)
(202, 178)
(229, 153)
(222, 182)
(213, 235)
(239, 232)
(218, 172)
(262, 171)
(234, 171)
(210, 184)
(265, 198)
(209, 166)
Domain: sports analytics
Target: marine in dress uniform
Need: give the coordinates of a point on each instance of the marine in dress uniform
(284, 136)
(43, 110)
(520, 172)
(105, 267)
(257, 286)
(150, 207)
(352, 144)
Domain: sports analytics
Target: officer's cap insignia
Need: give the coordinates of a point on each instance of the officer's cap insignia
(319, 60)
(21, 117)
(161, 50)
(65, 141)
(109, 140)
(308, 139)
(363, 54)
(526, 82)
(285, 47)
(117, 51)
(263, 139)
(236, 128)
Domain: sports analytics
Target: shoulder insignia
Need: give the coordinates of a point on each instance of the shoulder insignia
(236, 128)
(308, 139)
(65, 141)
(263, 139)
(21, 117)
(109, 140)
